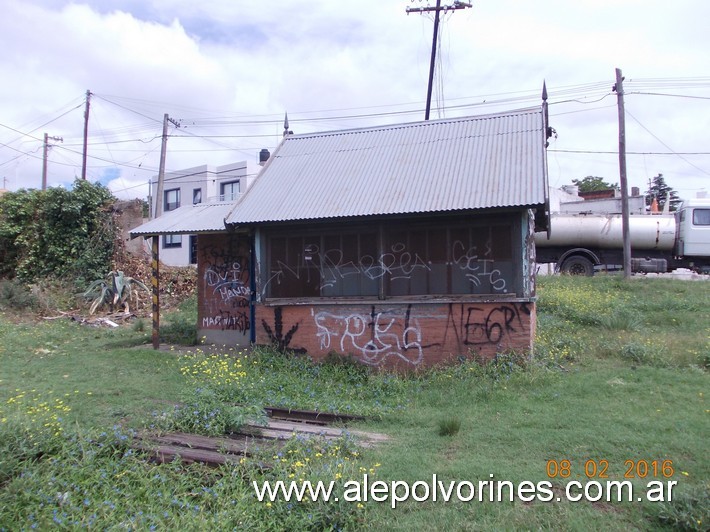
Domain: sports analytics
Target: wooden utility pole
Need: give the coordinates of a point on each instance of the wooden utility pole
(155, 282)
(155, 245)
(45, 153)
(437, 9)
(86, 134)
(161, 170)
(44, 161)
(619, 88)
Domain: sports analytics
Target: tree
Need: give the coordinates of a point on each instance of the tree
(593, 183)
(659, 190)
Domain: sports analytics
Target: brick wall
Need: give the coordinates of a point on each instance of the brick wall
(402, 336)
(223, 289)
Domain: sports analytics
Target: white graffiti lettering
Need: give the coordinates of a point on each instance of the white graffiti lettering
(374, 337)
(476, 268)
(229, 282)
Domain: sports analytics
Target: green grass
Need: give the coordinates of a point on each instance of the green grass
(620, 374)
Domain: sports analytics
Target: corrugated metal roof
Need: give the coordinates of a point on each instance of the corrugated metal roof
(188, 219)
(440, 165)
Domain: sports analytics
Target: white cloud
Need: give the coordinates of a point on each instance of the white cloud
(235, 64)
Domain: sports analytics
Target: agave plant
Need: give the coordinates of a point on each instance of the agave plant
(116, 291)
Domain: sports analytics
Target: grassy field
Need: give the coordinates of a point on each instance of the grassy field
(619, 381)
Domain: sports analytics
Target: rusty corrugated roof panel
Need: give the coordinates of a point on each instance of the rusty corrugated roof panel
(436, 166)
(188, 219)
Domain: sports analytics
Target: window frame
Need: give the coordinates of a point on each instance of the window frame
(172, 241)
(234, 195)
(171, 206)
(697, 221)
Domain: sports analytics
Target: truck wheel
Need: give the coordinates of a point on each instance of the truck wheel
(577, 265)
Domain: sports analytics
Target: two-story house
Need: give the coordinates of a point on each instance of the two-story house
(192, 186)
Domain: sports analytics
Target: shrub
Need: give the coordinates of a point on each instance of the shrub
(14, 295)
(57, 232)
(116, 291)
(206, 413)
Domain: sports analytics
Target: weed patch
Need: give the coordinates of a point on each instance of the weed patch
(449, 426)
(689, 510)
(265, 377)
(16, 296)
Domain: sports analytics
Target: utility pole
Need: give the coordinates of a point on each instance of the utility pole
(619, 89)
(161, 171)
(86, 134)
(437, 9)
(45, 152)
(155, 245)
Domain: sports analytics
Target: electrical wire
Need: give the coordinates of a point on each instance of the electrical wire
(585, 94)
(664, 144)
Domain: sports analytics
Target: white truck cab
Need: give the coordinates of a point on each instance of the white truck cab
(694, 228)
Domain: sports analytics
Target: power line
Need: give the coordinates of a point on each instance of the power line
(666, 145)
(602, 152)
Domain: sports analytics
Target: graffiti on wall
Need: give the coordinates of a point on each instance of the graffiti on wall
(227, 321)
(405, 334)
(276, 335)
(373, 336)
(229, 280)
(483, 326)
(331, 267)
(227, 290)
(478, 267)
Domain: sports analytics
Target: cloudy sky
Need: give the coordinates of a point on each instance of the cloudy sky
(227, 70)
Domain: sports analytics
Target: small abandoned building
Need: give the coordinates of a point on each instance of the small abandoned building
(402, 245)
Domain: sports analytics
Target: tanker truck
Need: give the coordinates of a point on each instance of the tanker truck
(581, 244)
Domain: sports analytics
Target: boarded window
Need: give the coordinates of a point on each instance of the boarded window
(454, 257)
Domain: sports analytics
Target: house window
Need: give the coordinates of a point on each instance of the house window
(456, 257)
(172, 199)
(229, 191)
(193, 249)
(172, 241)
(196, 196)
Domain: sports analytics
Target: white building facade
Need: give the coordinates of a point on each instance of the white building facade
(192, 186)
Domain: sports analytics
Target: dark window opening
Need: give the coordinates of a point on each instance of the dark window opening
(439, 259)
(172, 241)
(193, 249)
(196, 196)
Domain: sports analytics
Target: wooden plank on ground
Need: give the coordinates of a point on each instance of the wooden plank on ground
(310, 416)
(283, 430)
(196, 441)
(304, 428)
(168, 453)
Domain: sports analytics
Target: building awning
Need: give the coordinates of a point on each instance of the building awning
(187, 220)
